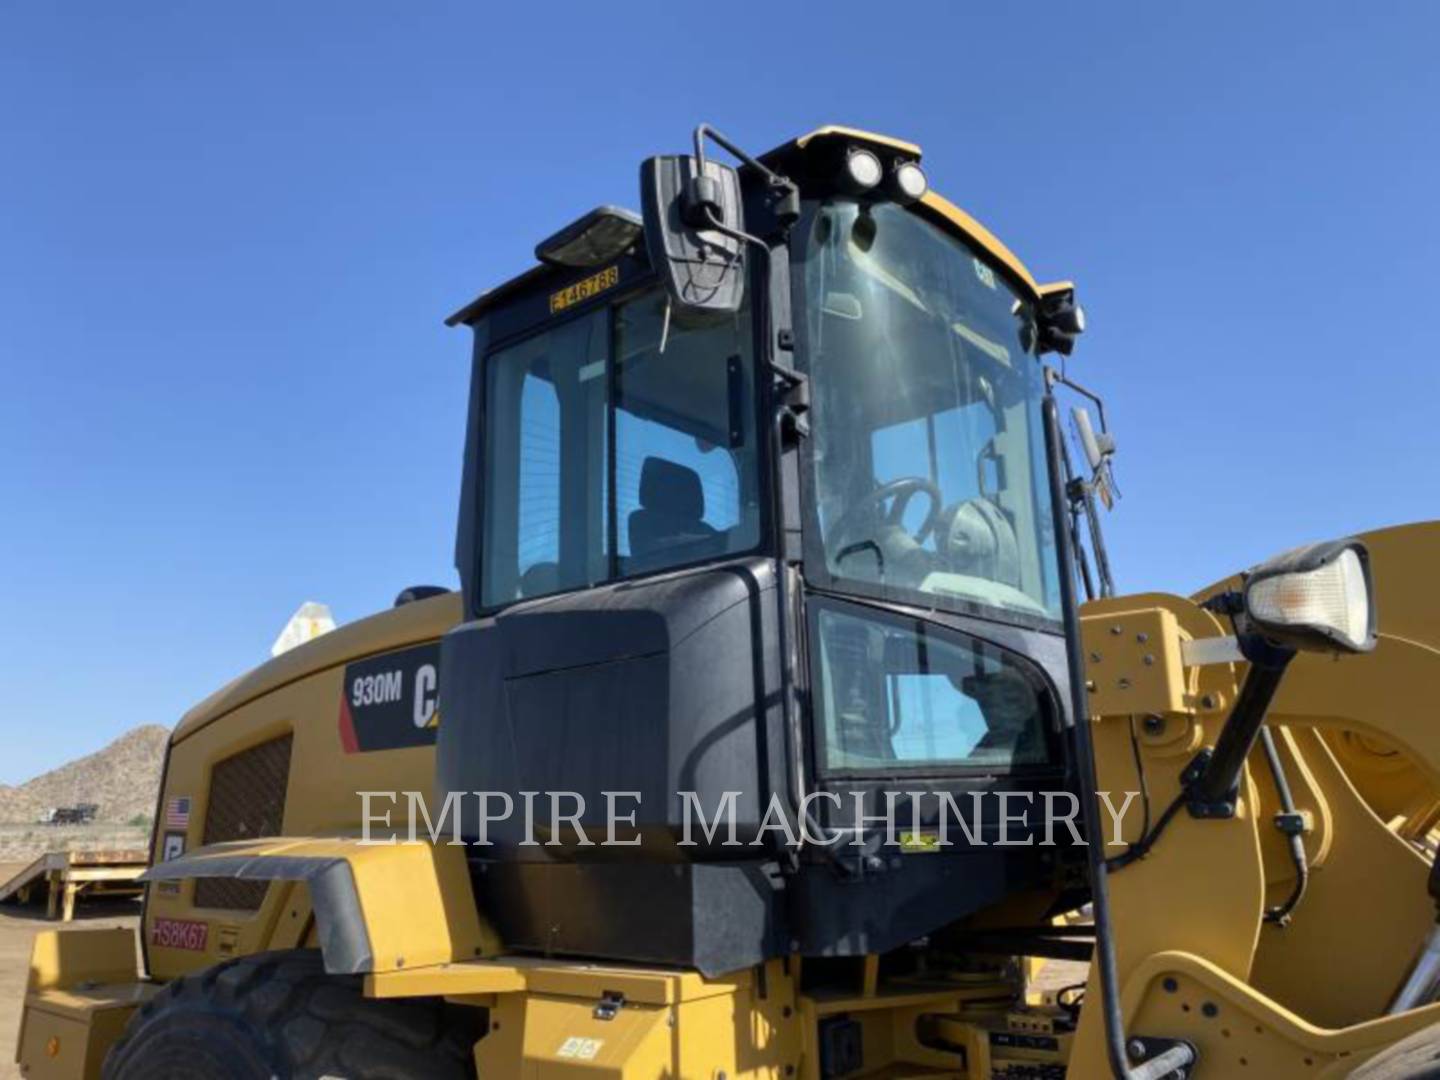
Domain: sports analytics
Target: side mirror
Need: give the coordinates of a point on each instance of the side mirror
(1099, 448)
(702, 265)
(1098, 445)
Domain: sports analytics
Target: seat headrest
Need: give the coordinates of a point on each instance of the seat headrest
(671, 488)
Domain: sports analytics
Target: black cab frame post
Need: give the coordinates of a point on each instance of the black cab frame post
(1178, 1055)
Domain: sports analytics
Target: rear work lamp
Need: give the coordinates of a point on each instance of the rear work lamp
(601, 235)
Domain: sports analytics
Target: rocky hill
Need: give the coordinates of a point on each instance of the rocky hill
(123, 780)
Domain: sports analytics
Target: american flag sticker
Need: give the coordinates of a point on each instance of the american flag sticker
(177, 812)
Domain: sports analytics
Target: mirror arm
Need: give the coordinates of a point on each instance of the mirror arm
(1056, 376)
(787, 209)
(705, 131)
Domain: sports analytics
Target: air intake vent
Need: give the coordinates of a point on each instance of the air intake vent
(247, 800)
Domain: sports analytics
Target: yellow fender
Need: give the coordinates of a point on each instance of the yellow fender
(378, 907)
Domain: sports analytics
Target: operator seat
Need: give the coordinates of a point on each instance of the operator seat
(980, 540)
(541, 579)
(671, 514)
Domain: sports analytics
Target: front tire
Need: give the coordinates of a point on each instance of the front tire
(280, 1015)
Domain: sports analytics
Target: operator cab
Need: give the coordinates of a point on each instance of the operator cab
(757, 529)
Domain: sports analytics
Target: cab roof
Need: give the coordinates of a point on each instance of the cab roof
(792, 159)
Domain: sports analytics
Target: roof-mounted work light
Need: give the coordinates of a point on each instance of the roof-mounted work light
(907, 183)
(601, 235)
(863, 171)
(1060, 319)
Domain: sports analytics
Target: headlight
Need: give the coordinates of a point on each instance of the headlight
(1317, 598)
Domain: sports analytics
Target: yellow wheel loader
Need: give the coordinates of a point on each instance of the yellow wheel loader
(786, 720)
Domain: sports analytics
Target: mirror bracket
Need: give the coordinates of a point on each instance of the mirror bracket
(785, 203)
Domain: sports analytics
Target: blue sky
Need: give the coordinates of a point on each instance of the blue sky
(228, 236)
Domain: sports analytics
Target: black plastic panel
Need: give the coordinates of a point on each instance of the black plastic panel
(656, 686)
(716, 917)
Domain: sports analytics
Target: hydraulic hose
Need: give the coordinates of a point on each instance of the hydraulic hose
(1293, 830)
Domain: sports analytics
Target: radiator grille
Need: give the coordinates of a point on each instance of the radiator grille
(247, 800)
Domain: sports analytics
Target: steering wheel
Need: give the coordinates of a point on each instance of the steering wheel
(902, 491)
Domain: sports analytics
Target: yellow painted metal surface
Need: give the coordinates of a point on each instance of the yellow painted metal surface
(61, 959)
(561, 1037)
(416, 900)
(1201, 889)
(1132, 662)
(474, 977)
(1240, 1032)
(1364, 913)
(1391, 778)
(83, 986)
(1307, 998)
(858, 135)
(69, 1044)
(297, 693)
(1388, 780)
(1308, 788)
(658, 1023)
(396, 628)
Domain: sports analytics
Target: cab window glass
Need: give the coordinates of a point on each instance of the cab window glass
(908, 695)
(925, 460)
(686, 466)
(545, 452)
(617, 444)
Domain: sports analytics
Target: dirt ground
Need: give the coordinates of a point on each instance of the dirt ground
(18, 926)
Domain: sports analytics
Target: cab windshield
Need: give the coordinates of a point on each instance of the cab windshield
(926, 458)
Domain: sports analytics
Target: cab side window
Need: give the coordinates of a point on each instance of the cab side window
(898, 693)
(545, 449)
(615, 445)
(685, 455)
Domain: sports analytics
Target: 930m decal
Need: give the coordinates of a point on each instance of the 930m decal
(391, 701)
